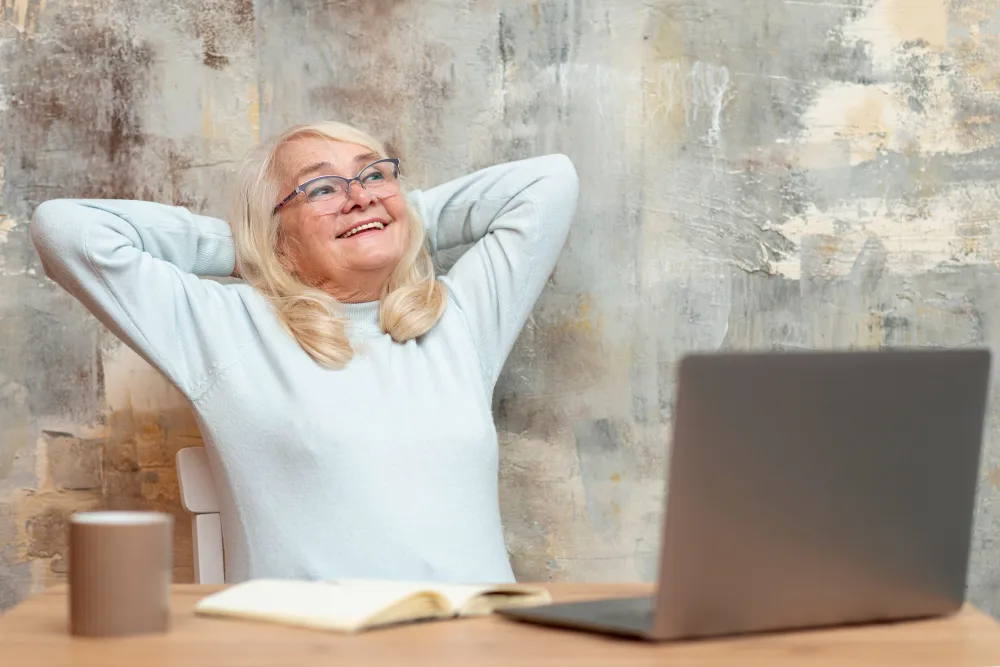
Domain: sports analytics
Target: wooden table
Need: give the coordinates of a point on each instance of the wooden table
(34, 634)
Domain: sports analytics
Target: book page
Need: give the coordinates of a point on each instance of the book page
(323, 605)
(464, 599)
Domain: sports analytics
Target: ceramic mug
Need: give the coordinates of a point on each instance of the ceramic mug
(120, 570)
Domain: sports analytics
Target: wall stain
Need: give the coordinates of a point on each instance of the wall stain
(994, 477)
(23, 15)
(221, 25)
(110, 71)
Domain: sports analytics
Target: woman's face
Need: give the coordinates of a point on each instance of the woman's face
(319, 228)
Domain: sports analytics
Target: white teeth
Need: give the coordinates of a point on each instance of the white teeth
(370, 225)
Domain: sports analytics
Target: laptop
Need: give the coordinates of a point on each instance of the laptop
(809, 489)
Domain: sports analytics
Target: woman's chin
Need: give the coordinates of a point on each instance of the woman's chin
(374, 259)
(378, 251)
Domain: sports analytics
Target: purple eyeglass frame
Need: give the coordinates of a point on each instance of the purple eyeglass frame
(301, 189)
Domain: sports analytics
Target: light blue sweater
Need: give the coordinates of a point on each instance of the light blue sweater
(385, 469)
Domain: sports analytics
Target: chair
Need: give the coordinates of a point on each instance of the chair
(194, 477)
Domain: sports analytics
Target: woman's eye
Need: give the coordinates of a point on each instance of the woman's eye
(322, 191)
(374, 177)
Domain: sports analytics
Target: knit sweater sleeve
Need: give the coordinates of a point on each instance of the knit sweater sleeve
(136, 266)
(517, 215)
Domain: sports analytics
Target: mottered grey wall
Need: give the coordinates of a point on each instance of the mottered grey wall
(754, 174)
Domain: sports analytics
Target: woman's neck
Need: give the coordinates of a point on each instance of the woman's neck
(361, 288)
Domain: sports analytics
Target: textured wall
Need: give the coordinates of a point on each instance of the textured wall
(755, 173)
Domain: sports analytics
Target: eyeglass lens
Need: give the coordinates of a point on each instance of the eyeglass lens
(380, 179)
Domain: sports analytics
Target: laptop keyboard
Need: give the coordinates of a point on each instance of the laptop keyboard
(627, 612)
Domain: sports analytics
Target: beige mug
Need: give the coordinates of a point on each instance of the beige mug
(120, 573)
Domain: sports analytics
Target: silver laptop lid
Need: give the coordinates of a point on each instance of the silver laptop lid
(809, 489)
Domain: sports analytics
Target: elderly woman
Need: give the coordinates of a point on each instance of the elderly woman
(343, 390)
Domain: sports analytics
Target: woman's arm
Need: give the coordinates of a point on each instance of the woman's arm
(135, 266)
(518, 215)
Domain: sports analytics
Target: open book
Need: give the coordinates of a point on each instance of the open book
(356, 605)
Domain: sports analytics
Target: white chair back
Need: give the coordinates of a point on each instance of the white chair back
(194, 476)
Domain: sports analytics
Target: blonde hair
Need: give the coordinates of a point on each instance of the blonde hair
(412, 300)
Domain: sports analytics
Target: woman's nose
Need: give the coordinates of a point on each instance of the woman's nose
(357, 197)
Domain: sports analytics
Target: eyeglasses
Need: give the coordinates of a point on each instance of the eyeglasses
(380, 178)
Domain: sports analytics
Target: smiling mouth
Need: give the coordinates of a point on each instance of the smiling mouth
(367, 228)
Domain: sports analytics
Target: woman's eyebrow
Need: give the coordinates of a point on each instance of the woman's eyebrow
(366, 158)
(328, 167)
(311, 168)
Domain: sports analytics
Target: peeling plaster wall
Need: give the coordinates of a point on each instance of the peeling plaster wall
(755, 174)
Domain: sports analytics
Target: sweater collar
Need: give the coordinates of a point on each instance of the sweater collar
(364, 316)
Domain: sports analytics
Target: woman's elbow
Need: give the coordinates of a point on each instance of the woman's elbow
(55, 227)
(50, 217)
(561, 174)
